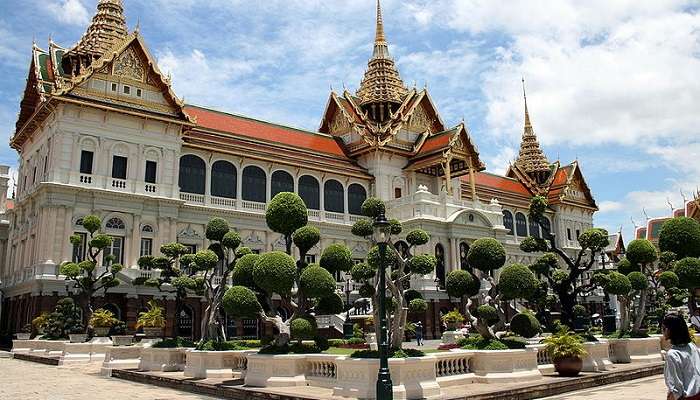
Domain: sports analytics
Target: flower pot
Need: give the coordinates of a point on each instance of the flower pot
(122, 340)
(77, 337)
(451, 326)
(570, 366)
(23, 336)
(101, 330)
(153, 331)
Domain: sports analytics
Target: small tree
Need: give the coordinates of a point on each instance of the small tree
(86, 277)
(213, 267)
(620, 285)
(681, 237)
(565, 283)
(641, 253)
(172, 279)
(306, 290)
(400, 268)
(64, 320)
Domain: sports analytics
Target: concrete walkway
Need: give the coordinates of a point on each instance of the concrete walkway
(29, 381)
(652, 388)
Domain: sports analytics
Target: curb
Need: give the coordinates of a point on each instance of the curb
(36, 359)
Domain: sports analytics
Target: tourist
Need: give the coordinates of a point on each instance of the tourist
(419, 333)
(695, 320)
(682, 371)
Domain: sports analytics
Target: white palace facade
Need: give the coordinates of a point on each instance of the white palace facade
(100, 131)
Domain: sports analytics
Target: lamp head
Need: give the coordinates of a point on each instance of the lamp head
(382, 229)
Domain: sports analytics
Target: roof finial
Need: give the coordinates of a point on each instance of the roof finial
(138, 25)
(380, 37)
(527, 113)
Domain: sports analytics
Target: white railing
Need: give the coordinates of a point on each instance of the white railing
(222, 201)
(451, 364)
(86, 180)
(254, 205)
(355, 218)
(150, 188)
(118, 184)
(192, 198)
(331, 216)
(543, 357)
(315, 214)
(321, 367)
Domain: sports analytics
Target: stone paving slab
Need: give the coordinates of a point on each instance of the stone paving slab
(652, 388)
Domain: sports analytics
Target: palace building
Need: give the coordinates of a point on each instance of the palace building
(100, 131)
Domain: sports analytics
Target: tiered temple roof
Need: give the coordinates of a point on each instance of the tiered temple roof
(107, 28)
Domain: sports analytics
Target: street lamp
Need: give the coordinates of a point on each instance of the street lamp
(382, 235)
(347, 325)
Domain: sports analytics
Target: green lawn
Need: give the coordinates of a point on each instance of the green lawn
(346, 352)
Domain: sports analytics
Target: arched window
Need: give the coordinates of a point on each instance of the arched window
(508, 221)
(254, 184)
(333, 196)
(463, 252)
(546, 228)
(356, 196)
(223, 180)
(281, 182)
(147, 229)
(534, 228)
(440, 266)
(309, 191)
(520, 225)
(193, 174)
(115, 223)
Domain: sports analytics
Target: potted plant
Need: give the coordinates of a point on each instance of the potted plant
(452, 319)
(119, 336)
(26, 332)
(102, 321)
(566, 351)
(39, 323)
(152, 321)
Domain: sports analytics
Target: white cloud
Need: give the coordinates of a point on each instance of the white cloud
(70, 12)
(498, 164)
(610, 206)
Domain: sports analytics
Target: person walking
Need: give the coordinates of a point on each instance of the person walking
(682, 370)
(419, 333)
(695, 320)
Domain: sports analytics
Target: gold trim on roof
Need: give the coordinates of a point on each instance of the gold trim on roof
(531, 159)
(107, 28)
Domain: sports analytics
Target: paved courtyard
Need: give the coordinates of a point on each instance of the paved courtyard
(30, 381)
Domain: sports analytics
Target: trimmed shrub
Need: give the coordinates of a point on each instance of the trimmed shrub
(422, 264)
(322, 343)
(306, 237)
(205, 260)
(241, 302)
(390, 258)
(594, 239)
(286, 213)
(337, 257)
(173, 250)
(216, 229)
(538, 205)
(362, 272)
(100, 241)
(641, 252)
(367, 290)
(533, 245)
(417, 237)
(618, 284)
(331, 304)
(274, 272)
(231, 240)
(514, 342)
(363, 228)
(680, 236)
(373, 207)
(92, 223)
(316, 282)
(638, 280)
(412, 294)
(417, 306)
(487, 313)
(545, 263)
(303, 328)
(525, 324)
(173, 343)
(242, 274)
(625, 267)
(517, 282)
(461, 283)
(396, 227)
(70, 270)
(240, 252)
(486, 254)
(688, 271)
(479, 343)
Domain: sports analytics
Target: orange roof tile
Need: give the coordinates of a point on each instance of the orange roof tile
(499, 182)
(243, 126)
(434, 143)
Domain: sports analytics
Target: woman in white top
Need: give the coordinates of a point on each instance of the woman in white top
(682, 371)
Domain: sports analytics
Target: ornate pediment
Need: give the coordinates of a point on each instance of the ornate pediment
(189, 233)
(129, 65)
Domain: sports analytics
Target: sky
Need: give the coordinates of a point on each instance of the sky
(614, 84)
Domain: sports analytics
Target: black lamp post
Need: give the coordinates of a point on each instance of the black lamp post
(382, 234)
(347, 325)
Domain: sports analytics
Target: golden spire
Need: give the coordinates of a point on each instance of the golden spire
(531, 158)
(382, 82)
(107, 28)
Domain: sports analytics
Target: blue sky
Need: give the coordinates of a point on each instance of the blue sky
(612, 83)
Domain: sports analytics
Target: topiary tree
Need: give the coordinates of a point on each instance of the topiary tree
(306, 290)
(172, 279)
(86, 276)
(64, 320)
(688, 271)
(399, 271)
(619, 285)
(642, 254)
(525, 324)
(681, 236)
(565, 283)
(213, 267)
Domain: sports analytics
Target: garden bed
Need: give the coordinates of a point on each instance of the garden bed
(216, 364)
(163, 359)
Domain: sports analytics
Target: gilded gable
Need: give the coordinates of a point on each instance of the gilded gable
(129, 65)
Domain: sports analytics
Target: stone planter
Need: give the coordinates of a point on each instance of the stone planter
(371, 340)
(75, 353)
(452, 337)
(152, 332)
(77, 337)
(101, 330)
(216, 364)
(55, 348)
(22, 346)
(623, 351)
(23, 336)
(164, 360)
(491, 366)
(276, 370)
(413, 378)
(598, 358)
(121, 358)
(122, 340)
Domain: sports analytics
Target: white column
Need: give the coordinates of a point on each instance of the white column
(207, 183)
(134, 250)
(239, 185)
